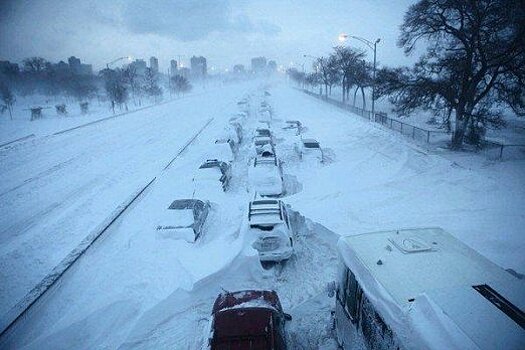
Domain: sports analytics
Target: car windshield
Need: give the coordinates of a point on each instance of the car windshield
(208, 165)
(311, 145)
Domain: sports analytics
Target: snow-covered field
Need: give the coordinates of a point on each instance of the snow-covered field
(135, 289)
(21, 125)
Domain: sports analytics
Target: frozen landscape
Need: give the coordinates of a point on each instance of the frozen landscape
(356, 190)
(136, 289)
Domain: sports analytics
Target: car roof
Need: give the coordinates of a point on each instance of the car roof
(248, 298)
(271, 160)
(214, 163)
(264, 212)
(310, 141)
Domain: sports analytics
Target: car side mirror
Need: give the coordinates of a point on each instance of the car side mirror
(287, 317)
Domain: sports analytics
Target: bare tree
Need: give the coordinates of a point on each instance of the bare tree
(313, 79)
(8, 98)
(35, 65)
(180, 85)
(324, 73)
(134, 80)
(362, 79)
(151, 84)
(474, 64)
(115, 88)
(348, 60)
(296, 76)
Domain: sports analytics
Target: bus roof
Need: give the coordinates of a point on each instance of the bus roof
(399, 269)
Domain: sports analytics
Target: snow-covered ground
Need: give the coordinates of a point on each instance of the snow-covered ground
(137, 290)
(513, 133)
(58, 189)
(21, 125)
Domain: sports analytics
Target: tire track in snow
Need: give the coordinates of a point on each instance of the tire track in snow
(22, 308)
(40, 175)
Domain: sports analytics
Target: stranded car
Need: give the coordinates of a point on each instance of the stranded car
(249, 319)
(269, 222)
(223, 149)
(293, 125)
(261, 138)
(184, 219)
(424, 289)
(265, 176)
(310, 149)
(213, 173)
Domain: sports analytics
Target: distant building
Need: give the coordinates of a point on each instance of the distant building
(272, 66)
(61, 67)
(76, 67)
(199, 67)
(154, 64)
(140, 66)
(74, 64)
(258, 64)
(238, 69)
(173, 67)
(185, 72)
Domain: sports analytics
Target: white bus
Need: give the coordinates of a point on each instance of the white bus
(424, 289)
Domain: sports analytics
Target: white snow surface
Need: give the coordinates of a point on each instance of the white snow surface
(134, 290)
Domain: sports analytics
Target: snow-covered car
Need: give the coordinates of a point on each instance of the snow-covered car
(310, 149)
(265, 176)
(248, 319)
(261, 138)
(223, 149)
(184, 219)
(269, 222)
(294, 126)
(214, 173)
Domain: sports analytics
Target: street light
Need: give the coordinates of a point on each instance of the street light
(118, 59)
(372, 45)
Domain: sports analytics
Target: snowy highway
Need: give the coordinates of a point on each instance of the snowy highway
(58, 189)
(137, 290)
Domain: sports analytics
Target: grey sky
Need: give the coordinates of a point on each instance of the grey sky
(224, 31)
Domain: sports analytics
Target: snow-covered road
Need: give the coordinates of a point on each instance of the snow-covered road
(55, 190)
(137, 290)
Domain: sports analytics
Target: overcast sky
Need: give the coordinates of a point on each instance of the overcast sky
(226, 32)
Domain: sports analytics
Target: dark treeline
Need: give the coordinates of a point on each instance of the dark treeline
(37, 76)
(473, 68)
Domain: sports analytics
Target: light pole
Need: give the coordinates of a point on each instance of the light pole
(373, 46)
(118, 59)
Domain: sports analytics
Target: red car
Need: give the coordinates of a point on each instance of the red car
(249, 319)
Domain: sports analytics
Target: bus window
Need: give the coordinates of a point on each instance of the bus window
(352, 296)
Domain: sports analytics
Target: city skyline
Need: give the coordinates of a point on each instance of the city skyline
(225, 32)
